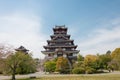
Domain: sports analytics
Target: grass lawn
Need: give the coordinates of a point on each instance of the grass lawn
(80, 77)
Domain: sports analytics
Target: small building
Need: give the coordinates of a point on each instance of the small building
(22, 49)
(60, 45)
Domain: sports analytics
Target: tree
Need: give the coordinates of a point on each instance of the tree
(16, 60)
(62, 65)
(28, 65)
(104, 59)
(79, 64)
(12, 62)
(50, 66)
(113, 65)
(78, 67)
(116, 53)
(91, 61)
(108, 52)
(5, 50)
(80, 58)
(116, 57)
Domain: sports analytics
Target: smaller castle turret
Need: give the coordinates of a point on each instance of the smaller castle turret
(22, 49)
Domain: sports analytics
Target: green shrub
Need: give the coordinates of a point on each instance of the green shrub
(78, 71)
(50, 66)
(90, 70)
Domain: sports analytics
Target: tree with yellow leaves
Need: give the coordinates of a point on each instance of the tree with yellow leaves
(91, 61)
(115, 63)
(62, 65)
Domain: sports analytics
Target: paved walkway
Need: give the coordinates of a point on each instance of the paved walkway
(37, 74)
(41, 74)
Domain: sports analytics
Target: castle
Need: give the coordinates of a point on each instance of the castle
(60, 45)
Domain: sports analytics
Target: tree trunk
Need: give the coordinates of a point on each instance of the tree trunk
(13, 75)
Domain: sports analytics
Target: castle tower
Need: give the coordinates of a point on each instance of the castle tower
(60, 45)
(22, 49)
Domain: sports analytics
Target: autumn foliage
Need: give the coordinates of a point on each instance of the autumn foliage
(62, 65)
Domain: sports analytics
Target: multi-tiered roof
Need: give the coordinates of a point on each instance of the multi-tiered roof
(60, 44)
(22, 49)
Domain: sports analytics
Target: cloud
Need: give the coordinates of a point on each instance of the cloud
(102, 39)
(26, 29)
(23, 29)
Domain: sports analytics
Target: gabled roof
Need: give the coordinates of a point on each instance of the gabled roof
(60, 27)
(61, 36)
(21, 48)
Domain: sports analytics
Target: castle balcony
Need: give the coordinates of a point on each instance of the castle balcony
(66, 35)
(61, 46)
(60, 41)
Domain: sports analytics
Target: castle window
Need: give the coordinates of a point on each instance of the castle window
(64, 49)
(73, 49)
(71, 54)
(47, 49)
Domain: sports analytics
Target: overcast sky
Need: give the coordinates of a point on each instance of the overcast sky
(93, 24)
